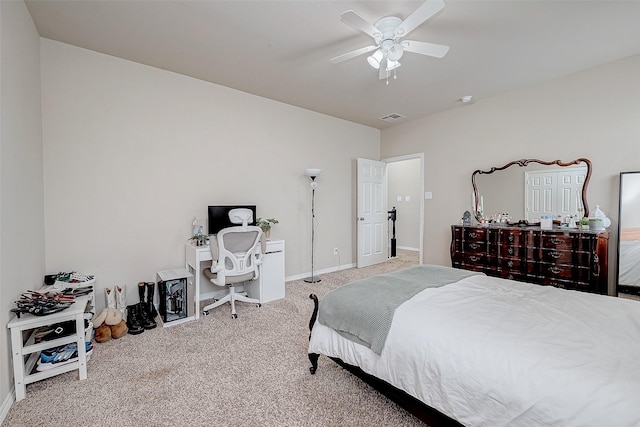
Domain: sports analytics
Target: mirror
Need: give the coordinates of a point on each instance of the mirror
(629, 234)
(526, 189)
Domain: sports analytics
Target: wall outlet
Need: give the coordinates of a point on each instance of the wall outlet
(335, 251)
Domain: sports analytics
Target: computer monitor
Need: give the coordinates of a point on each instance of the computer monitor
(219, 216)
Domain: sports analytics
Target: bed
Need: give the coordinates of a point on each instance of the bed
(475, 350)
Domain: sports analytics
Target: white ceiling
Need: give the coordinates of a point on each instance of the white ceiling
(281, 49)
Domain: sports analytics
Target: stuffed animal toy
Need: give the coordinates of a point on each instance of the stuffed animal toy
(109, 324)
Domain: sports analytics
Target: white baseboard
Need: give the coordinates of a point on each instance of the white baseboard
(319, 272)
(6, 404)
(406, 248)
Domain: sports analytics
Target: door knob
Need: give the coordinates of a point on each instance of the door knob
(361, 218)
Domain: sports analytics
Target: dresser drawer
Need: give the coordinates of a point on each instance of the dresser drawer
(510, 251)
(474, 234)
(561, 241)
(474, 246)
(556, 256)
(511, 237)
(476, 258)
(559, 272)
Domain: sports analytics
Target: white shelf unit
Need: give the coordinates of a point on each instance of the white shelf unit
(21, 348)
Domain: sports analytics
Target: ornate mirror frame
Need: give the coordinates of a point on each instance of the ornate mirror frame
(525, 162)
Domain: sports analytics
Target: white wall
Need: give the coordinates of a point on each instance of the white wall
(132, 153)
(404, 181)
(21, 194)
(593, 114)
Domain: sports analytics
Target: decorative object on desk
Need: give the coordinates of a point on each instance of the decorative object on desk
(466, 218)
(313, 174)
(265, 225)
(606, 222)
(596, 224)
(546, 222)
(199, 239)
(584, 223)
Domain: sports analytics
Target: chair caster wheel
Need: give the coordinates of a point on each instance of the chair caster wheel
(234, 316)
(258, 305)
(205, 313)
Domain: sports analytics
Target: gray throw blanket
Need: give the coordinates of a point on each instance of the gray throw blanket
(362, 311)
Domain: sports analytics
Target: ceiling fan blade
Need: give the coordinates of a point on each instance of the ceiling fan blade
(424, 48)
(352, 54)
(356, 21)
(421, 14)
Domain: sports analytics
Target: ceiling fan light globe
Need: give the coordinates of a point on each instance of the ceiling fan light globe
(395, 52)
(374, 60)
(392, 65)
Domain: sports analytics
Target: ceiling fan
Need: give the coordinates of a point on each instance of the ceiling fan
(387, 34)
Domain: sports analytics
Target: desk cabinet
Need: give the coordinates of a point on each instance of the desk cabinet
(564, 258)
(21, 349)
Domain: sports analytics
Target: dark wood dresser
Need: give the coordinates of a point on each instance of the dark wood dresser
(565, 258)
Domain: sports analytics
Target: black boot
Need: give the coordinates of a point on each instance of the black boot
(146, 320)
(151, 309)
(133, 320)
(141, 289)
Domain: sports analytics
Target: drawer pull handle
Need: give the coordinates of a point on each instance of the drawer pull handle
(555, 254)
(510, 264)
(473, 235)
(510, 277)
(474, 245)
(510, 250)
(474, 258)
(556, 241)
(555, 270)
(511, 237)
(596, 265)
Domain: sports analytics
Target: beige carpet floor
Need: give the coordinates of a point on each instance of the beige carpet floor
(251, 371)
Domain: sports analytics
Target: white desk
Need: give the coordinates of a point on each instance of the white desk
(22, 371)
(268, 287)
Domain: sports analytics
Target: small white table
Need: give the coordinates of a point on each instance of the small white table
(19, 349)
(268, 287)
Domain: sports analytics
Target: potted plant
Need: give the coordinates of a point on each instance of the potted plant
(199, 238)
(584, 223)
(265, 225)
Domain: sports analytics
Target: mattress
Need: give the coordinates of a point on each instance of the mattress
(493, 352)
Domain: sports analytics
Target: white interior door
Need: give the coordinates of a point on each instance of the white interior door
(554, 192)
(540, 195)
(372, 212)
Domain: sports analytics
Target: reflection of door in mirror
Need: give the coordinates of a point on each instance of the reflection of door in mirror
(556, 192)
(629, 233)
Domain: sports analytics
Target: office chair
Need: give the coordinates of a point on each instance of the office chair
(237, 255)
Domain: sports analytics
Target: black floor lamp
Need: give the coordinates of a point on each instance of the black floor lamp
(313, 173)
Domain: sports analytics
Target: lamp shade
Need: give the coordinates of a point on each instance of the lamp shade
(312, 172)
(374, 60)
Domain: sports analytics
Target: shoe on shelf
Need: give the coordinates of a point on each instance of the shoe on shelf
(62, 355)
(72, 279)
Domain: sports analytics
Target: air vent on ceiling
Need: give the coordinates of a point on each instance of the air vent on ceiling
(393, 117)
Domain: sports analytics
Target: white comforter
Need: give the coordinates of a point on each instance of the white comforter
(494, 352)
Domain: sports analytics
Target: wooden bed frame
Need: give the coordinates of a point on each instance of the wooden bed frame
(420, 410)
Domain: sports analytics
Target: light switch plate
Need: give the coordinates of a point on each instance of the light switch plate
(428, 195)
